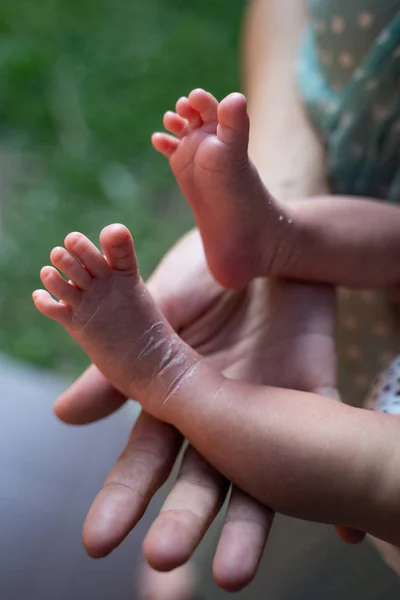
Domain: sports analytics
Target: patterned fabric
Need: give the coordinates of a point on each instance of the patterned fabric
(349, 76)
(385, 393)
(349, 79)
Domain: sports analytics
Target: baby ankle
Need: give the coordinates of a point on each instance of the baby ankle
(174, 376)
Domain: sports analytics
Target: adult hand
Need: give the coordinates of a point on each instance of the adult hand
(277, 333)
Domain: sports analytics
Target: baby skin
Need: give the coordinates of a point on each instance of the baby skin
(246, 232)
(287, 449)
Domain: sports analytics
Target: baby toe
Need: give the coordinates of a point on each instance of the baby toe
(58, 287)
(71, 267)
(117, 244)
(85, 251)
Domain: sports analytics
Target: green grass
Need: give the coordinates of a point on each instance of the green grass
(83, 85)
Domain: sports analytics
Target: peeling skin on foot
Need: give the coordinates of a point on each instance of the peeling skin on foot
(150, 347)
(153, 345)
(180, 365)
(148, 331)
(179, 380)
(166, 363)
(180, 362)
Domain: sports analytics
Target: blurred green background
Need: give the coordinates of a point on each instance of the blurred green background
(83, 84)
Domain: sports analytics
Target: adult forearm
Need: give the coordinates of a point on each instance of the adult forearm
(283, 143)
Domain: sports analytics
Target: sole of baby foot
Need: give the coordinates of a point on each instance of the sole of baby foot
(241, 225)
(105, 306)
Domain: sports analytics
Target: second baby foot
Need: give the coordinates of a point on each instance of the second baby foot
(241, 225)
(106, 308)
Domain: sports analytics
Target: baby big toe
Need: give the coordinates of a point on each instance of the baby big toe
(117, 244)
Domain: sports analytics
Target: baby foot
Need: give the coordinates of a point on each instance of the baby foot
(240, 223)
(107, 309)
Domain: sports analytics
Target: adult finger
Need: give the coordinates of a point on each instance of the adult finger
(242, 541)
(188, 512)
(191, 506)
(139, 472)
(90, 398)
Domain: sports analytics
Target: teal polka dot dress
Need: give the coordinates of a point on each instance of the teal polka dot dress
(349, 78)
